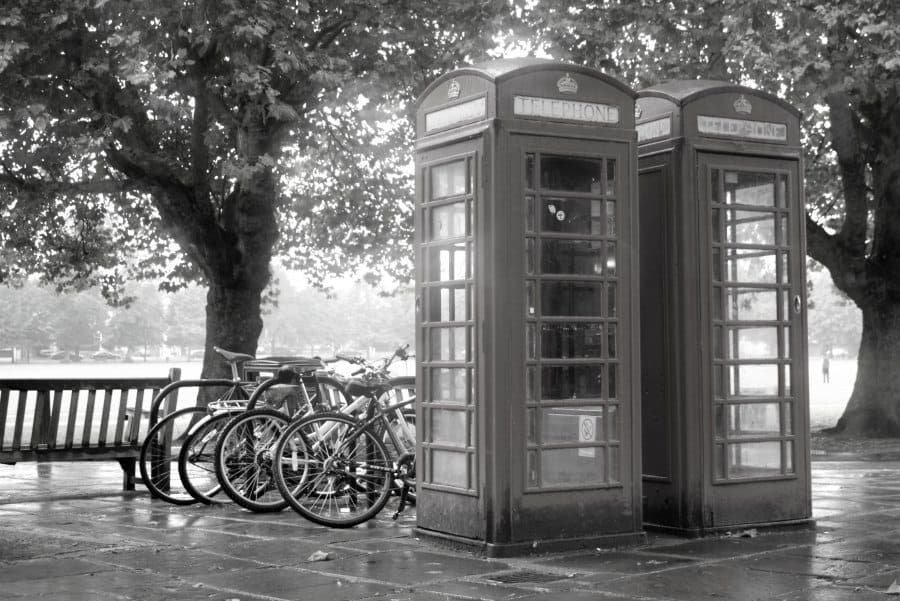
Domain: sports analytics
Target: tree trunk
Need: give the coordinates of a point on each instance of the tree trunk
(874, 407)
(233, 322)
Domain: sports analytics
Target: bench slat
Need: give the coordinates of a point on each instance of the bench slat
(88, 418)
(121, 415)
(20, 420)
(4, 408)
(41, 423)
(138, 415)
(104, 416)
(53, 433)
(73, 416)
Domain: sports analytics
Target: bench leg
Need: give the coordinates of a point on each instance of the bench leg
(128, 466)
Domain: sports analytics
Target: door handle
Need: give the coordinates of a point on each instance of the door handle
(798, 304)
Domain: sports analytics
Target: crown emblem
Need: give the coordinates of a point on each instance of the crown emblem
(453, 90)
(567, 85)
(742, 105)
(638, 111)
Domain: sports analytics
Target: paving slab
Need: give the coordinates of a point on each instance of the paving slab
(68, 534)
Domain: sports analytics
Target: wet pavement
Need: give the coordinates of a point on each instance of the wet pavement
(68, 533)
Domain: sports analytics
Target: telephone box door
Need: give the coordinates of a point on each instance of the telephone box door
(758, 359)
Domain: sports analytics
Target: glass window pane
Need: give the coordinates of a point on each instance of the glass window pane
(571, 174)
(788, 419)
(448, 179)
(612, 419)
(448, 385)
(754, 459)
(572, 340)
(571, 298)
(529, 256)
(750, 266)
(714, 184)
(753, 380)
(753, 419)
(529, 171)
(784, 258)
(753, 343)
(571, 382)
(613, 465)
(611, 300)
(450, 468)
(611, 381)
(782, 190)
(449, 344)
(716, 226)
(446, 263)
(610, 259)
(529, 298)
(750, 304)
(750, 227)
(446, 304)
(572, 425)
(757, 189)
(611, 349)
(611, 218)
(448, 221)
(572, 467)
(533, 469)
(530, 386)
(530, 341)
(788, 457)
(529, 213)
(717, 264)
(572, 256)
(572, 215)
(784, 236)
(611, 177)
(448, 427)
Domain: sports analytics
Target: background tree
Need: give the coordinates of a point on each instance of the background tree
(159, 139)
(838, 61)
(25, 314)
(140, 325)
(78, 320)
(185, 319)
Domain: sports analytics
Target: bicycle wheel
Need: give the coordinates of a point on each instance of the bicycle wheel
(332, 472)
(159, 455)
(243, 459)
(196, 461)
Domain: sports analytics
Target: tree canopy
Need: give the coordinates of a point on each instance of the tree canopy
(185, 141)
(839, 63)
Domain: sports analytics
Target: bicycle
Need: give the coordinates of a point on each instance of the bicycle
(302, 385)
(335, 469)
(166, 438)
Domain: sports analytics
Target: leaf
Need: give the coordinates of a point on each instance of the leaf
(319, 556)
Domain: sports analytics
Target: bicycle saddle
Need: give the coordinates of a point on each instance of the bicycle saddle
(232, 357)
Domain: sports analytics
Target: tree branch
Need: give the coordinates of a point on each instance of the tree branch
(851, 160)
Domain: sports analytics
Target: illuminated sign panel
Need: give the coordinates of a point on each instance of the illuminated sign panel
(658, 128)
(742, 128)
(471, 110)
(570, 110)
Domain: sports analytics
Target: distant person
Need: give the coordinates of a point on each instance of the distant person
(826, 365)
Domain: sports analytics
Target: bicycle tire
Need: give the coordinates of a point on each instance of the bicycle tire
(243, 460)
(196, 460)
(159, 456)
(340, 479)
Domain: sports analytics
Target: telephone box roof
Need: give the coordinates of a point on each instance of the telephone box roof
(501, 69)
(682, 92)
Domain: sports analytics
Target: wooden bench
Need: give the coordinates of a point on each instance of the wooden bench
(78, 420)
